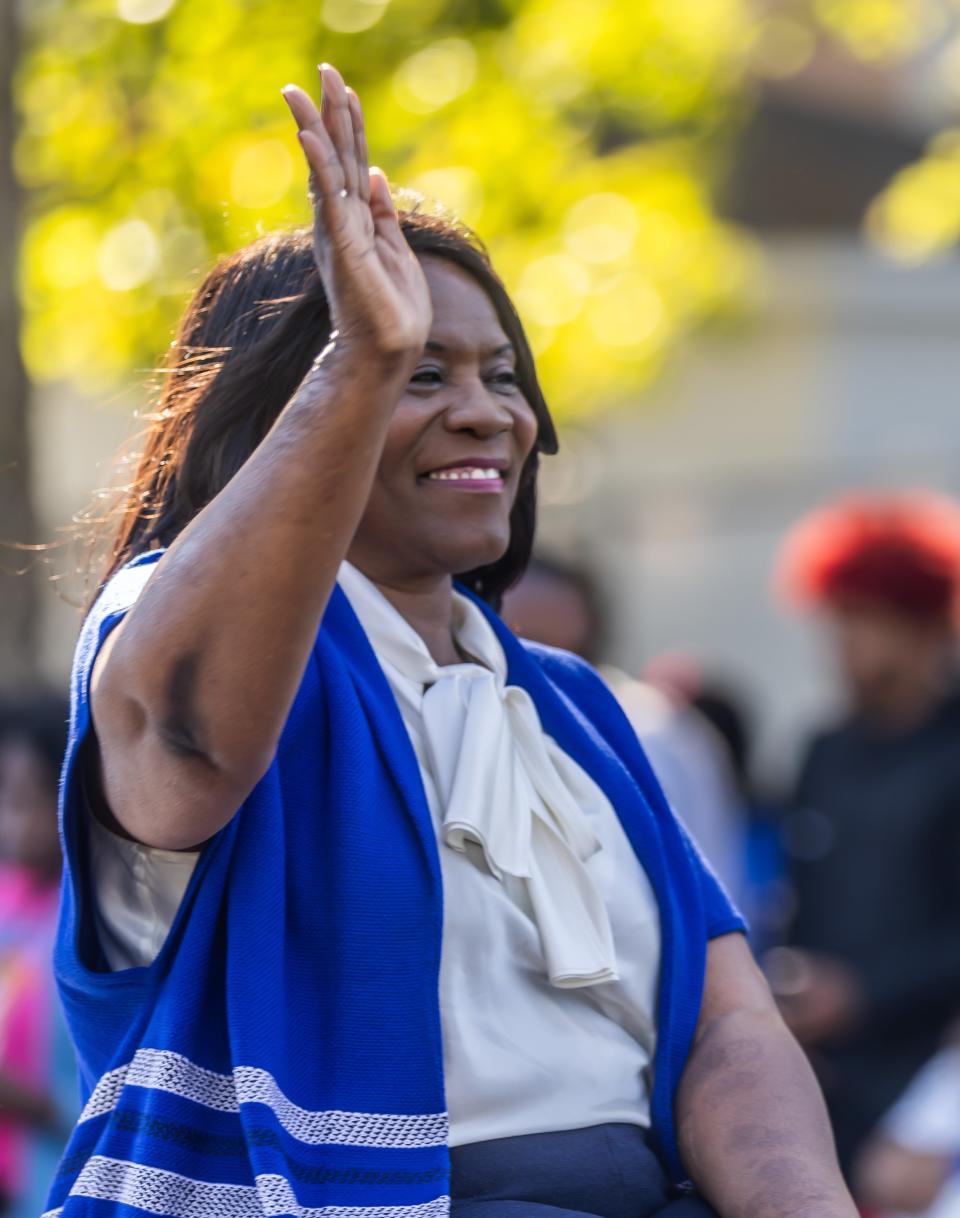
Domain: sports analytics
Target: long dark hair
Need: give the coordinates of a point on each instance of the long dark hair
(246, 341)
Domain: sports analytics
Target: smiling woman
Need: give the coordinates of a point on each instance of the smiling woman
(255, 327)
(369, 909)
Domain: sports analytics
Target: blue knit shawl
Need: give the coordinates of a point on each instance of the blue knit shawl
(282, 1055)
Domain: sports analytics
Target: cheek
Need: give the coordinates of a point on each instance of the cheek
(396, 461)
(526, 428)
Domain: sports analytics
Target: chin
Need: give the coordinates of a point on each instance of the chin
(478, 552)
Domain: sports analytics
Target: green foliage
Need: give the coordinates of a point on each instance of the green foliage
(579, 137)
(916, 218)
(572, 134)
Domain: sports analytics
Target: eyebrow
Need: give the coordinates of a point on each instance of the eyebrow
(432, 345)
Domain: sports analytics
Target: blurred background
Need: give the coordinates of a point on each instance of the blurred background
(730, 227)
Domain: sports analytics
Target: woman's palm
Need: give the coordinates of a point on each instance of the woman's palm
(375, 285)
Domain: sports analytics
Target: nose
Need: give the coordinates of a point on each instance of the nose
(475, 409)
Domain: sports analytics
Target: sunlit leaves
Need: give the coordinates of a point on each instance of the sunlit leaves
(918, 216)
(883, 29)
(571, 133)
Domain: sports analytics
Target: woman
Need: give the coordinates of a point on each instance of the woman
(412, 886)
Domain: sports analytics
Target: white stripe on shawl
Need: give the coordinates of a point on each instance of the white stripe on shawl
(156, 1191)
(162, 1070)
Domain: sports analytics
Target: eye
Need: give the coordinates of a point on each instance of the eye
(506, 377)
(427, 376)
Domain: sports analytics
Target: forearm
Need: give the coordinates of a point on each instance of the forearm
(753, 1128)
(208, 661)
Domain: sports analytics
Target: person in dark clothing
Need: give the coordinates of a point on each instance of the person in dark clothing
(872, 977)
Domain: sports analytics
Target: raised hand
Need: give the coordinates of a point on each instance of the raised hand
(377, 291)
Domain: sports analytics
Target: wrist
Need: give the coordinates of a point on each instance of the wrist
(360, 355)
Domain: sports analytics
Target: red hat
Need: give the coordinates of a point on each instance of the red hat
(899, 552)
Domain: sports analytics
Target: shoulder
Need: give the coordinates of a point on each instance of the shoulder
(122, 589)
(584, 686)
(567, 670)
(116, 597)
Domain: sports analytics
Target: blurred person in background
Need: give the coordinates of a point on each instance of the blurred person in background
(32, 741)
(764, 887)
(873, 975)
(911, 1165)
(560, 604)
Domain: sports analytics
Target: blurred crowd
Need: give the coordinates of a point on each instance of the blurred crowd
(38, 1090)
(850, 876)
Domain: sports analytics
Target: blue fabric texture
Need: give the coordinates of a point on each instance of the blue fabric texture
(282, 1055)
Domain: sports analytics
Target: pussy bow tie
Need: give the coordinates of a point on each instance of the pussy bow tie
(500, 787)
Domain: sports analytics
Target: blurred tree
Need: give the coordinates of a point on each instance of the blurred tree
(916, 217)
(17, 592)
(581, 138)
(578, 136)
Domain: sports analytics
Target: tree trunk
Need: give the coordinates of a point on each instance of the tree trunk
(19, 605)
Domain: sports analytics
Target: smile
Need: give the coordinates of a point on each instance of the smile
(468, 478)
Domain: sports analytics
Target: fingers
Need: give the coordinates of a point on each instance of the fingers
(382, 208)
(336, 116)
(327, 178)
(340, 119)
(381, 201)
(360, 145)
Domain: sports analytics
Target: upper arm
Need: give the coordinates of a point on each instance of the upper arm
(145, 789)
(733, 982)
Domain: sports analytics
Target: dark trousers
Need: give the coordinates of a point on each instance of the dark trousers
(606, 1171)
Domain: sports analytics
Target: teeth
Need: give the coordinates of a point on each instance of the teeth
(465, 474)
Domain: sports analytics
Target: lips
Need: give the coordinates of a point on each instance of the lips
(466, 473)
(483, 474)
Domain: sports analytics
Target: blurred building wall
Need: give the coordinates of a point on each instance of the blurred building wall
(848, 376)
(75, 442)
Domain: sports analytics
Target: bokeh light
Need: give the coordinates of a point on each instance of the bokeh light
(551, 289)
(458, 187)
(436, 75)
(628, 313)
(352, 16)
(143, 12)
(601, 228)
(783, 46)
(262, 173)
(128, 255)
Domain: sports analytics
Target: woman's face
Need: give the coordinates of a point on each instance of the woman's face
(456, 444)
